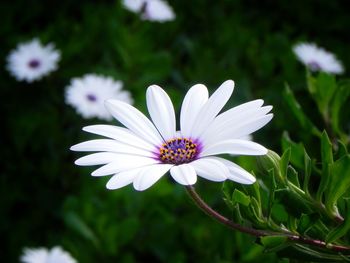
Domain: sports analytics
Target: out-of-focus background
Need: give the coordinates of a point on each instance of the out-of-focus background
(46, 200)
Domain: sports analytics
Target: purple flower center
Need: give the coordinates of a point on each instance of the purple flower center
(179, 151)
(91, 97)
(34, 63)
(314, 66)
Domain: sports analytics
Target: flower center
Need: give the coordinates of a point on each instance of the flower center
(91, 97)
(314, 66)
(34, 63)
(179, 151)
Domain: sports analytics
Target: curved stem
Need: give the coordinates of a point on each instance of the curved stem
(258, 233)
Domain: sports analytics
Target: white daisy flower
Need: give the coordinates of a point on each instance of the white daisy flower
(43, 255)
(152, 10)
(318, 59)
(144, 151)
(31, 60)
(88, 94)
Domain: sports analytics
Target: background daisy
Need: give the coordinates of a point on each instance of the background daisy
(152, 10)
(88, 94)
(318, 59)
(31, 60)
(44, 255)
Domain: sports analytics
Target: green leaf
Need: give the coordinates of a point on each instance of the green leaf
(274, 243)
(307, 169)
(340, 97)
(342, 229)
(75, 222)
(293, 203)
(307, 254)
(279, 213)
(297, 150)
(271, 160)
(327, 161)
(342, 150)
(298, 113)
(273, 187)
(227, 190)
(256, 208)
(318, 229)
(284, 163)
(292, 175)
(326, 148)
(306, 221)
(240, 198)
(339, 181)
(324, 89)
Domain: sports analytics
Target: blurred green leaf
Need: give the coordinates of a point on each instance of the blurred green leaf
(341, 96)
(327, 161)
(343, 228)
(285, 158)
(307, 172)
(293, 203)
(279, 213)
(342, 150)
(322, 90)
(297, 150)
(240, 198)
(298, 113)
(339, 181)
(306, 221)
(75, 222)
(271, 160)
(271, 192)
(274, 243)
(292, 176)
(307, 254)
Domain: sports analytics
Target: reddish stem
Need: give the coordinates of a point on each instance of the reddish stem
(258, 233)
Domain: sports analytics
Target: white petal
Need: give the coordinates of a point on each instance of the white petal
(184, 174)
(211, 108)
(232, 130)
(97, 158)
(237, 173)
(124, 163)
(237, 147)
(122, 179)
(101, 145)
(150, 175)
(120, 134)
(239, 114)
(211, 169)
(161, 111)
(134, 120)
(193, 102)
(234, 116)
(248, 127)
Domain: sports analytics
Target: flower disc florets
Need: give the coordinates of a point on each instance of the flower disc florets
(179, 151)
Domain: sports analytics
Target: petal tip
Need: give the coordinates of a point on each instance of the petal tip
(74, 148)
(229, 84)
(109, 186)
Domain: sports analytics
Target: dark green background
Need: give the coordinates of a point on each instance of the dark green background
(47, 201)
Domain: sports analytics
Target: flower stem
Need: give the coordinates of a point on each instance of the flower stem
(258, 233)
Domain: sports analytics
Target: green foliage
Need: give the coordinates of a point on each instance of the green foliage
(307, 195)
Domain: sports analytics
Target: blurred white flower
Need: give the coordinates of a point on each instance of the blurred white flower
(88, 94)
(43, 255)
(31, 60)
(152, 10)
(144, 151)
(318, 59)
